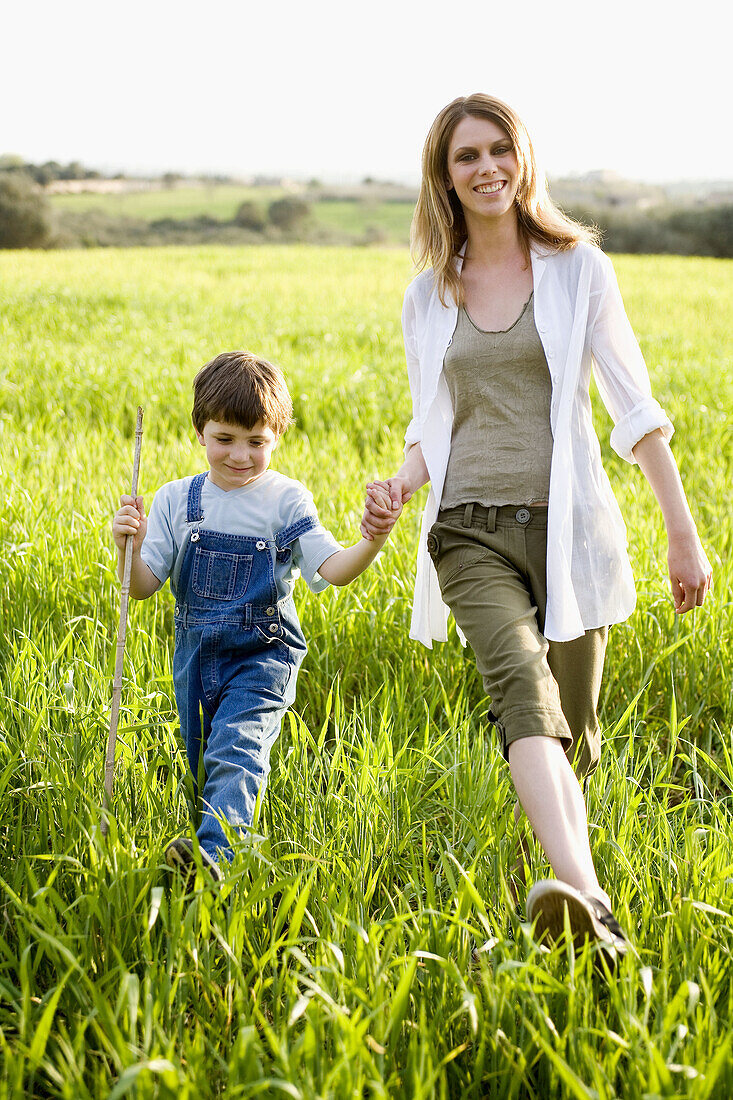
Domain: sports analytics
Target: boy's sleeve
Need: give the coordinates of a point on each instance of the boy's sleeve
(312, 549)
(159, 548)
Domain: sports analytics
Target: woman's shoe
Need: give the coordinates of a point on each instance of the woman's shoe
(588, 918)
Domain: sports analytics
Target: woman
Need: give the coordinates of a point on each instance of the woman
(527, 543)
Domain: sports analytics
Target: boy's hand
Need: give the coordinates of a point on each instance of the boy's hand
(130, 520)
(381, 511)
(343, 566)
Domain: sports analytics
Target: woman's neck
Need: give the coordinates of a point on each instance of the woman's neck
(493, 241)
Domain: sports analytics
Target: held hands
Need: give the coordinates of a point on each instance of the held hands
(384, 501)
(130, 520)
(690, 573)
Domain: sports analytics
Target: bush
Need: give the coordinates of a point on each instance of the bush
(25, 216)
(95, 228)
(288, 213)
(710, 229)
(374, 234)
(693, 231)
(251, 216)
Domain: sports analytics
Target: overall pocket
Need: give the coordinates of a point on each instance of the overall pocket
(220, 576)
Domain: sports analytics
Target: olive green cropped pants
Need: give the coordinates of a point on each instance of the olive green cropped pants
(491, 565)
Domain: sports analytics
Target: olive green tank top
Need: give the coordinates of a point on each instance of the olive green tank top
(501, 445)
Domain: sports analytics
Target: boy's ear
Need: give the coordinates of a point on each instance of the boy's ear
(200, 438)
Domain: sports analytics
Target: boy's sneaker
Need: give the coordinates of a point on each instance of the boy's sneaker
(588, 918)
(180, 855)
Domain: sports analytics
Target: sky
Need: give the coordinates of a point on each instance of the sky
(339, 91)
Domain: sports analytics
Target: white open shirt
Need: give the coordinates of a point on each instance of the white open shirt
(582, 324)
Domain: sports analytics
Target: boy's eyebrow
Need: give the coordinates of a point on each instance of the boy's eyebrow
(222, 434)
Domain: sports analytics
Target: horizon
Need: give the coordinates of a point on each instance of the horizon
(154, 172)
(318, 92)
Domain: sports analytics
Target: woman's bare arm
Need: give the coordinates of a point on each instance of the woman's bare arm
(690, 573)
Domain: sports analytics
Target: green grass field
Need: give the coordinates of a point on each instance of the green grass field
(336, 960)
(217, 200)
(221, 201)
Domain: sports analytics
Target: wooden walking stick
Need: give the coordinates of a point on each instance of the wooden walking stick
(109, 767)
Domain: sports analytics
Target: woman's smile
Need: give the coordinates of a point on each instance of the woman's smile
(479, 150)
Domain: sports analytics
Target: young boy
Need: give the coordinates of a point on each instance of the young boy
(233, 540)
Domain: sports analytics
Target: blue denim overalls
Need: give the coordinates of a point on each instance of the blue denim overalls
(238, 651)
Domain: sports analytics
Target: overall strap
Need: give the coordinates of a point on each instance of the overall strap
(194, 516)
(289, 534)
(194, 511)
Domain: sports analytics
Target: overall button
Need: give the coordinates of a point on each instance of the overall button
(260, 544)
(195, 537)
(522, 515)
(274, 628)
(269, 611)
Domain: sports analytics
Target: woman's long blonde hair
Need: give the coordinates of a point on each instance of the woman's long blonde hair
(438, 225)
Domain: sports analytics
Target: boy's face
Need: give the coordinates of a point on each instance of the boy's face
(236, 455)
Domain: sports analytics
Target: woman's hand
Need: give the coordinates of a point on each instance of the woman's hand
(690, 573)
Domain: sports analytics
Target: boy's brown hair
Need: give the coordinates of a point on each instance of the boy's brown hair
(240, 388)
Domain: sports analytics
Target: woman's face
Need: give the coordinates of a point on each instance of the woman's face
(482, 167)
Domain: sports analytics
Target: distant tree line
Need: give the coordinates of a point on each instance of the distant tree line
(27, 220)
(49, 171)
(289, 214)
(287, 218)
(683, 231)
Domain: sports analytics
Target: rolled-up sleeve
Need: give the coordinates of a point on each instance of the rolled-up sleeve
(414, 428)
(619, 368)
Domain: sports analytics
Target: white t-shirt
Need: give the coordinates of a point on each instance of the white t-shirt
(260, 510)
